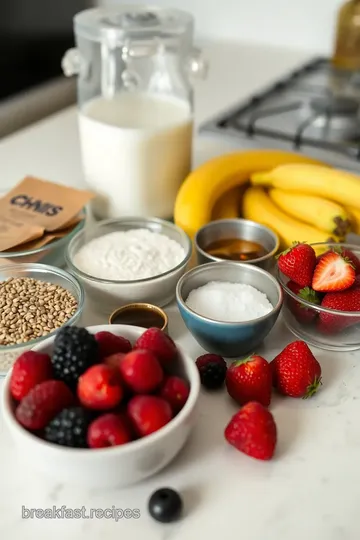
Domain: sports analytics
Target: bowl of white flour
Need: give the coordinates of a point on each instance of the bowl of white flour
(130, 259)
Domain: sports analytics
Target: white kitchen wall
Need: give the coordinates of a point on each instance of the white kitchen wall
(301, 24)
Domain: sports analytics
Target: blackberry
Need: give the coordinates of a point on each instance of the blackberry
(212, 369)
(69, 428)
(75, 350)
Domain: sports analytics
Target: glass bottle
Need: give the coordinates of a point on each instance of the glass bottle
(134, 66)
(347, 39)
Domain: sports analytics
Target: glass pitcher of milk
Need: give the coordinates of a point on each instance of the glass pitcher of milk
(135, 105)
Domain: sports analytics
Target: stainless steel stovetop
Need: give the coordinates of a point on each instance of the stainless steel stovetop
(314, 110)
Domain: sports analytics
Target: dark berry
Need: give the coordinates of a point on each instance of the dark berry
(75, 350)
(165, 505)
(69, 428)
(212, 369)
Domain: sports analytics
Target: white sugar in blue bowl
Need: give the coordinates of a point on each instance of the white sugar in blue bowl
(229, 307)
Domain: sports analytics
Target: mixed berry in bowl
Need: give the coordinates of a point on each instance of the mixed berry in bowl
(321, 284)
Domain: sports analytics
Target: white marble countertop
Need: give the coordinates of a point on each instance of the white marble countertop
(311, 488)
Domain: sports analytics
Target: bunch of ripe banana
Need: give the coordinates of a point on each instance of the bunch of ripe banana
(299, 198)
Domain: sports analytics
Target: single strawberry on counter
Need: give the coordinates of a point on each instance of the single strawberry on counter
(333, 272)
(30, 369)
(42, 403)
(298, 263)
(141, 371)
(301, 312)
(252, 430)
(159, 343)
(212, 370)
(99, 388)
(349, 300)
(108, 430)
(175, 391)
(250, 379)
(110, 344)
(148, 414)
(296, 372)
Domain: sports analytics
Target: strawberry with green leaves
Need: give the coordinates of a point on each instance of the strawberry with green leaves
(298, 263)
(296, 372)
(250, 379)
(301, 312)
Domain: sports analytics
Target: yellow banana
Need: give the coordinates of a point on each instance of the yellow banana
(228, 206)
(206, 184)
(320, 213)
(355, 218)
(340, 186)
(258, 206)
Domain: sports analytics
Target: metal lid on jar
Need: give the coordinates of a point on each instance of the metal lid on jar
(132, 22)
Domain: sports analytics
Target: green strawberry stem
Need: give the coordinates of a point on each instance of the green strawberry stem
(237, 363)
(313, 388)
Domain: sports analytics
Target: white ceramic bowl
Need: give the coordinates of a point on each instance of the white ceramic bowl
(115, 466)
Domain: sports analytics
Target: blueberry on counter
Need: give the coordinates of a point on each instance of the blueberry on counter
(165, 505)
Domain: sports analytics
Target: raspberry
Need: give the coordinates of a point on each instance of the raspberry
(43, 403)
(148, 414)
(75, 350)
(108, 430)
(156, 341)
(141, 371)
(100, 387)
(69, 428)
(176, 391)
(212, 369)
(110, 344)
(30, 369)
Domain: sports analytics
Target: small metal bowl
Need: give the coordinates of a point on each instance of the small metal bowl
(229, 339)
(140, 314)
(244, 229)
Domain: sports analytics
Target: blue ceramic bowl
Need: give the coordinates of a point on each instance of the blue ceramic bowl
(229, 339)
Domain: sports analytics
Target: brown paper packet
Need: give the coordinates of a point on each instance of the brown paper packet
(13, 234)
(41, 203)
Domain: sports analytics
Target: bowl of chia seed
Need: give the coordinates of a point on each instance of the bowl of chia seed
(35, 301)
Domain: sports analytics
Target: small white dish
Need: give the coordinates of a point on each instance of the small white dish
(116, 466)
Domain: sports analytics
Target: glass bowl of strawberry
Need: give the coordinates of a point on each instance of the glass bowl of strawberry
(321, 284)
(101, 407)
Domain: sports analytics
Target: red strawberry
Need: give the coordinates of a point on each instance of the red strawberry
(110, 344)
(43, 402)
(114, 360)
(30, 369)
(108, 430)
(296, 372)
(348, 300)
(298, 263)
(141, 371)
(148, 414)
(333, 273)
(156, 341)
(300, 311)
(250, 379)
(176, 391)
(99, 388)
(347, 254)
(252, 430)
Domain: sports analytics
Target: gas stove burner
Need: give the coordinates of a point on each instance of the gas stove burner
(335, 106)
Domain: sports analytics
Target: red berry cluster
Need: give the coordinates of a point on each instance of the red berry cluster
(330, 280)
(130, 392)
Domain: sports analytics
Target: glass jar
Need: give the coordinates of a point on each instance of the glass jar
(135, 105)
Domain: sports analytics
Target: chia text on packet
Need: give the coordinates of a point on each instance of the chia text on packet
(63, 512)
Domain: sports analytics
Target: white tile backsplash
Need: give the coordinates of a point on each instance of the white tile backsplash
(301, 24)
